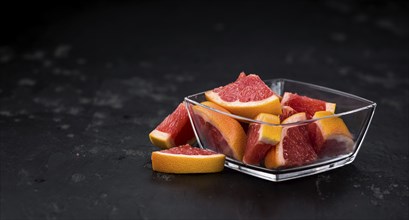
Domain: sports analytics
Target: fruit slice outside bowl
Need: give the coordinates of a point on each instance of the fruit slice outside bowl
(356, 113)
(186, 159)
(174, 130)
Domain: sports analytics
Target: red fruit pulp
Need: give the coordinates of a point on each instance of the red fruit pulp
(297, 148)
(287, 111)
(245, 89)
(304, 104)
(188, 150)
(255, 152)
(241, 75)
(315, 137)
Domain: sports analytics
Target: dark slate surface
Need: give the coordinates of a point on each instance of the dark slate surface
(82, 85)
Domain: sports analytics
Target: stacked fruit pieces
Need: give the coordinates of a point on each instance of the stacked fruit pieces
(276, 136)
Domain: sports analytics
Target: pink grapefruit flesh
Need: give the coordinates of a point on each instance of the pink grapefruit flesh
(294, 149)
(243, 90)
(306, 104)
(261, 138)
(287, 112)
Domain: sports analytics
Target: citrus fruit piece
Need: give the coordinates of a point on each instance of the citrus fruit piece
(306, 104)
(187, 159)
(174, 130)
(294, 148)
(330, 136)
(219, 132)
(287, 112)
(247, 96)
(261, 138)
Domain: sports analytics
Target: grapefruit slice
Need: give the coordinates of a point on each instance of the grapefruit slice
(306, 104)
(261, 138)
(330, 136)
(247, 96)
(187, 159)
(174, 130)
(220, 132)
(294, 148)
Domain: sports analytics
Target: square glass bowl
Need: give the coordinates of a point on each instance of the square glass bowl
(356, 113)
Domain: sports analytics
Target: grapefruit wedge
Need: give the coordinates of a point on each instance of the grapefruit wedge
(330, 136)
(261, 138)
(220, 132)
(187, 159)
(174, 130)
(248, 96)
(306, 104)
(294, 148)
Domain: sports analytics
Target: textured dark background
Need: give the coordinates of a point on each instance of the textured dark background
(82, 85)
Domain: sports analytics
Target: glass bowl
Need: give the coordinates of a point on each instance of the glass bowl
(356, 113)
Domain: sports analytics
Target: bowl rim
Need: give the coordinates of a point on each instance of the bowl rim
(250, 120)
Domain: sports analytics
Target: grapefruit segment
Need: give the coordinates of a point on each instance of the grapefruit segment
(220, 132)
(187, 159)
(287, 112)
(294, 148)
(247, 96)
(330, 136)
(306, 104)
(261, 138)
(174, 130)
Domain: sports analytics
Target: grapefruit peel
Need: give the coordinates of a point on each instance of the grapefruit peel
(269, 134)
(250, 109)
(161, 139)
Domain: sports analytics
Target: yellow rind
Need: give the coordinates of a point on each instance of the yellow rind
(183, 164)
(161, 139)
(331, 126)
(271, 160)
(251, 109)
(269, 134)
